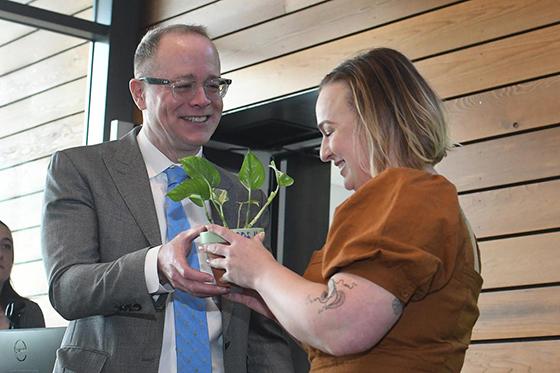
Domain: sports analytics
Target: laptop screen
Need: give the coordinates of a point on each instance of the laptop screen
(29, 350)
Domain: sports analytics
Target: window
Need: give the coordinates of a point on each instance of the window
(43, 101)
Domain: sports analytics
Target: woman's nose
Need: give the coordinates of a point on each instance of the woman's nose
(325, 152)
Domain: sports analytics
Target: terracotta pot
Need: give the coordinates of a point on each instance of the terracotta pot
(207, 238)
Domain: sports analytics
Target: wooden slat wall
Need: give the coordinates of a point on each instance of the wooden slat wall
(42, 101)
(497, 66)
(232, 16)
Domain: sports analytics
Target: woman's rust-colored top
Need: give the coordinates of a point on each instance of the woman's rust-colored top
(404, 231)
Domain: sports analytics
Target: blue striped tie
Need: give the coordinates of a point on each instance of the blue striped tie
(191, 327)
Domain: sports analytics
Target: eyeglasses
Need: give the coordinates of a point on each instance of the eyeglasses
(185, 89)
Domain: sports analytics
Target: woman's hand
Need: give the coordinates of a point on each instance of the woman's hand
(244, 260)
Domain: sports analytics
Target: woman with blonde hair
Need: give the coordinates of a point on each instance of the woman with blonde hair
(395, 287)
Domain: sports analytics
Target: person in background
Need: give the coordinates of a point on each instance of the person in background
(119, 254)
(396, 285)
(15, 311)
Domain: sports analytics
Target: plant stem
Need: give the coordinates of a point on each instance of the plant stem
(239, 214)
(208, 214)
(248, 207)
(262, 210)
(220, 211)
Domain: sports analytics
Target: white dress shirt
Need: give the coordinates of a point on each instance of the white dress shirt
(156, 163)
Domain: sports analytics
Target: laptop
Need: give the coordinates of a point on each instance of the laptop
(29, 350)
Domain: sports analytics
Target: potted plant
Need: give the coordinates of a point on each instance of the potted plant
(202, 186)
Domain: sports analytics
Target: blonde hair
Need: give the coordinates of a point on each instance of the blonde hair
(401, 120)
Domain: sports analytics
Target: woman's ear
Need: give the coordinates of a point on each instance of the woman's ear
(137, 91)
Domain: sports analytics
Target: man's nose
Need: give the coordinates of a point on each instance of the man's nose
(200, 98)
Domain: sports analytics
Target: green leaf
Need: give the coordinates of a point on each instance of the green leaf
(282, 178)
(190, 188)
(252, 172)
(198, 167)
(220, 196)
(197, 200)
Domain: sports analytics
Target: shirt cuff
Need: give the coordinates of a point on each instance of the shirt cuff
(151, 273)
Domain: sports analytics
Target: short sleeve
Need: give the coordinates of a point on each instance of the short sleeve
(399, 231)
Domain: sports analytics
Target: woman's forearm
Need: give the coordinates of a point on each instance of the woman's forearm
(348, 315)
(287, 295)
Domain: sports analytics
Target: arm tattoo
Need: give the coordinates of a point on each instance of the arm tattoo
(397, 307)
(334, 296)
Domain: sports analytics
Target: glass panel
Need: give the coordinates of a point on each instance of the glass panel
(43, 79)
(77, 8)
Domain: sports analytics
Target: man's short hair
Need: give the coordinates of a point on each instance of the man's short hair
(148, 46)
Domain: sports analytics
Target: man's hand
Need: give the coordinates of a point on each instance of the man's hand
(173, 266)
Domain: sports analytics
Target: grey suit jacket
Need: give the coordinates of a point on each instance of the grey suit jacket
(99, 222)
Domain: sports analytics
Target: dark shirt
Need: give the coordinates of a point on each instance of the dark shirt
(24, 313)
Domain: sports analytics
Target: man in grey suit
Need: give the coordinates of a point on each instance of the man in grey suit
(104, 216)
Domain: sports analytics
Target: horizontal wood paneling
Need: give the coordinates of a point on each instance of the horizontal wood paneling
(517, 357)
(163, 9)
(313, 26)
(74, 7)
(505, 110)
(506, 160)
(518, 314)
(337, 18)
(27, 245)
(507, 61)
(44, 107)
(223, 17)
(30, 278)
(494, 64)
(51, 72)
(465, 24)
(12, 31)
(517, 209)
(38, 45)
(23, 212)
(502, 266)
(41, 141)
(23, 179)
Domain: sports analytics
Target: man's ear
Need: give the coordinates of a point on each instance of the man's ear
(137, 91)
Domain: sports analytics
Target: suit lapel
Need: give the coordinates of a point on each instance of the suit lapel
(128, 170)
